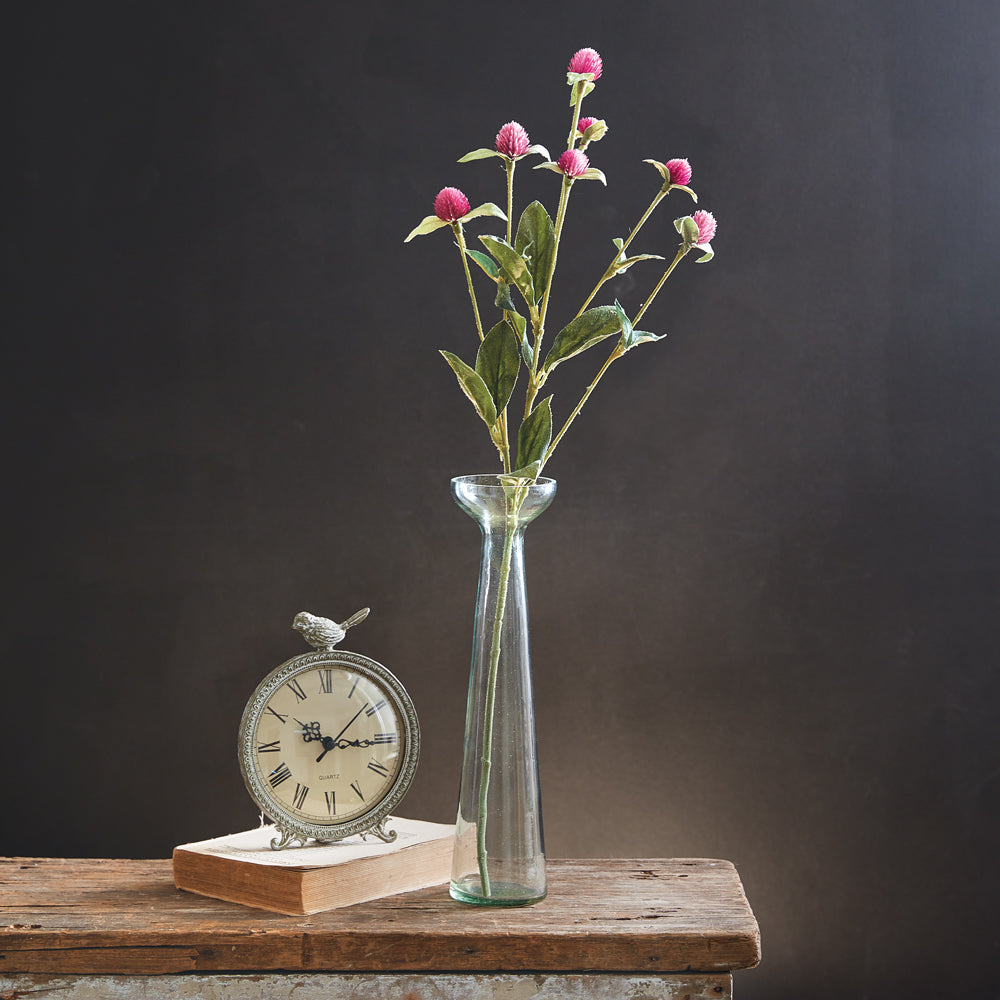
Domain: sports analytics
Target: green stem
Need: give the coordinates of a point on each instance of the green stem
(539, 328)
(577, 104)
(486, 753)
(564, 191)
(611, 268)
(616, 353)
(504, 437)
(612, 357)
(666, 274)
(510, 164)
(460, 239)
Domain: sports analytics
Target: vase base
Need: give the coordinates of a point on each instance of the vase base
(501, 893)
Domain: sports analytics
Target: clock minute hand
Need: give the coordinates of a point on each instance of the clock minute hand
(330, 742)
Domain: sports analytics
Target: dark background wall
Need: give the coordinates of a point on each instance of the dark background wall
(764, 603)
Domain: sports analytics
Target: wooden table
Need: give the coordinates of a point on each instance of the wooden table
(655, 929)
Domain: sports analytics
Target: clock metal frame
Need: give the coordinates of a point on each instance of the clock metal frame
(372, 821)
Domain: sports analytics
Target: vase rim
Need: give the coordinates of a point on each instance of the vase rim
(488, 481)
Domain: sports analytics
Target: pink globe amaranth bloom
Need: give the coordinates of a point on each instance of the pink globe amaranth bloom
(573, 163)
(450, 204)
(512, 140)
(586, 61)
(705, 222)
(680, 171)
(584, 123)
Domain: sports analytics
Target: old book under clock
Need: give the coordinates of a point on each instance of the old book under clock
(242, 868)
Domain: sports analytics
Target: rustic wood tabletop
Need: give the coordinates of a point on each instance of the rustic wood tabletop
(124, 917)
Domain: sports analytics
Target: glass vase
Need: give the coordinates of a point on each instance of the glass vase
(499, 857)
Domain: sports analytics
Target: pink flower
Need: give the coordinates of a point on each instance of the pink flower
(573, 163)
(512, 140)
(680, 171)
(450, 204)
(586, 61)
(705, 222)
(584, 123)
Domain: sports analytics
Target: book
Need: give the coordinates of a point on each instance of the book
(242, 868)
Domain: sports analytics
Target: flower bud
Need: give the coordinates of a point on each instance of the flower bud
(450, 204)
(512, 140)
(586, 61)
(592, 129)
(679, 170)
(705, 222)
(573, 163)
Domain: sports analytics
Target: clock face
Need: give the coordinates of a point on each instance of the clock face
(328, 743)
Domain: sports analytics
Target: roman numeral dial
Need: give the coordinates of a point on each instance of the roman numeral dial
(328, 744)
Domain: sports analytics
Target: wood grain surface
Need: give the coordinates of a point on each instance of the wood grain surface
(126, 917)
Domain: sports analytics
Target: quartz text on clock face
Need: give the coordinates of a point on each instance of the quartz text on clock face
(327, 744)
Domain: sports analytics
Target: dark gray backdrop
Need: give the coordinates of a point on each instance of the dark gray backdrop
(764, 601)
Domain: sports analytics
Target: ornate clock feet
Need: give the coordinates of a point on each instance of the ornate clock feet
(379, 830)
(287, 837)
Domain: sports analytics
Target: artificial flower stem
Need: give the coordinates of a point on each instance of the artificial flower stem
(577, 104)
(460, 239)
(504, 444)
(486, 753)
(500, 439)
(666, 274)
(510, 164)
(611, 269)
(504, 437)
(567, 184)
(612, 357)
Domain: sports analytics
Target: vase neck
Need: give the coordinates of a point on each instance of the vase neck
(495, 505)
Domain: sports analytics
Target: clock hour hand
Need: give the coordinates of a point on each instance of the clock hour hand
(330, 742)
(310, 731)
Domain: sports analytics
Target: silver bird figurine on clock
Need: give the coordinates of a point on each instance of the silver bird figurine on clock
(329, 741)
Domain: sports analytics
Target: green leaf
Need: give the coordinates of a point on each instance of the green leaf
(573, 79)
(554, 167)
(487, 209)
(536, 230)
(517, 477)
(474, 387)
(513, 263)
(593, 174)
(661, 168)
(682, 187)
(596, 132)
(579, 334)
(535, 434)
(478, 154)
(688, 228)
(486, 263)
(536, 148)
(429, 224)
(520, 326)
(498, 363)
(708, 252)
(503, 299)
(628, 337)
(642, 337)
(625, 263)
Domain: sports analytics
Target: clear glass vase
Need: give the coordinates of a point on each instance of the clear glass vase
(499, 857)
